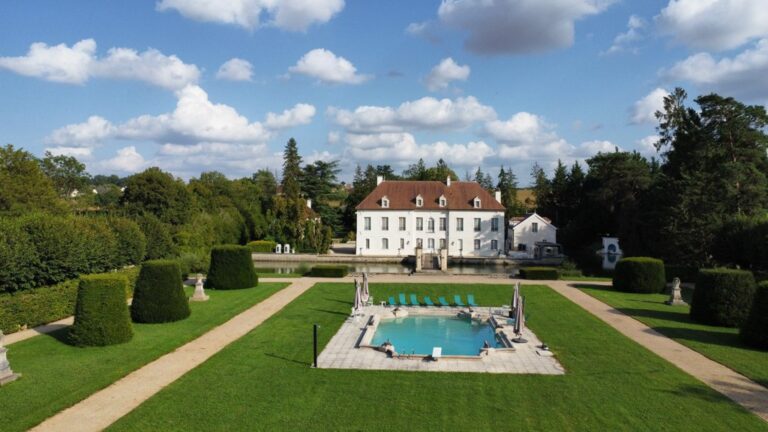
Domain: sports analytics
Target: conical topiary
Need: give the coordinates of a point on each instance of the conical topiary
(159, 295)
(231, 268)
(101, 313)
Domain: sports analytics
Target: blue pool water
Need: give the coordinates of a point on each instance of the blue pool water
(419, 334)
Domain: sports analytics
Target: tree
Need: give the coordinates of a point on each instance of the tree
(159, 193)
(541, 189)
(320, 184)
(291, 171)
(66, 173)
(23, 185)
(559, 194)
(267, 184)
(417, 171)
(507, 185)
(484, 180)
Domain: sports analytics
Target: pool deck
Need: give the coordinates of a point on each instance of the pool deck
(342, 352)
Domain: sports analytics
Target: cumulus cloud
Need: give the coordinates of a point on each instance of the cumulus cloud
(235, 69)
(741, 76)
(328, 68)
(300, 114)
(521, 129)
(647, 145)
(517, 26)
(78, 152)
(591, 148)
(292, 15)
(444, 73)
(87, 134)
(625, 41)
(79, 63)
(127, 160)
(426, 113)
(644, 110)
(402, 148)
(714, 24)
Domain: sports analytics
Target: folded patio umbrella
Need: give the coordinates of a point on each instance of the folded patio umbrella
(365, 294)
(520, 317)
(358, 304)
(515, 300)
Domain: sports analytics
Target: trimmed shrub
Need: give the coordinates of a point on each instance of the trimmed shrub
(101, 313)
(46, 304)
(754, 331)
(131, 243)
(159, 240)
(723, 297)
(159, 295)
(539, 273)
(101, 253)
(18, 258)
(639, 275)
(329, 270)
(231, 268)
(262, 246)
(194, 260)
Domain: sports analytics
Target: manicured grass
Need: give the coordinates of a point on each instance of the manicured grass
(57, 375)
(264, 380)
(720, 344)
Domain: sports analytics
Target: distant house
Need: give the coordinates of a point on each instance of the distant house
(399, 216)
(532, 236)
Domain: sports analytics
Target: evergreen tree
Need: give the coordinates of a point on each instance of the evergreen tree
(542, 190)
(507, 185)
(484, 180)
(559, 195)
(291, 171)
(417, 171)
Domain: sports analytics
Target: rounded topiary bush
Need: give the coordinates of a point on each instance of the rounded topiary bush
(159, 295)
(262, 246)
(101, 312)
(754, 331)
(722, 297)
(231, 268)
(639, 275)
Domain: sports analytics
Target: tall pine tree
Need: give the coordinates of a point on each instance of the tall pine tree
(291, 171)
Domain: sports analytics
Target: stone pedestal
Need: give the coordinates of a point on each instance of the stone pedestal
(419, 257)
(676, 298)
(199, 295)
(6, 374)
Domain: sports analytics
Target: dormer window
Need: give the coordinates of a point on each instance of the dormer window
(419, 201)
(443, 202)
(477, 203)
(385, 202)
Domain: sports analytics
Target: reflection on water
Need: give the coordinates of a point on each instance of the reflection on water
(391, 268)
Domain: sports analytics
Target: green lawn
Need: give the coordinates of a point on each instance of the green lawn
(721, 344)
(264, 381)
(57, 375)
(279, 275)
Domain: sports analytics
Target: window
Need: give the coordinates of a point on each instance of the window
(402, 224)
(385, 202)
(442, 224)
(494, 245)
(522, 247)
(460, 224)
(477, 244)
(419, 242)
(367, 224)
(477, 224)
(385, 224)
(419, 224)
(385, 243)
(402, 243)
(443, 201)
(534, 227)
(442, 243)
(430, 243)
(494, 224)
(431, 225)
(419, 201)
(367, 243)
(477, 203)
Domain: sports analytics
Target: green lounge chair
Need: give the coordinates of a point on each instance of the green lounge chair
(428, 301)
(457, 300)
(415, 300)
(403, 301)
(471, 300)
(392, 301)
(442, 301)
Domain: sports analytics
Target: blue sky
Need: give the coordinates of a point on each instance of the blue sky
(127, 85)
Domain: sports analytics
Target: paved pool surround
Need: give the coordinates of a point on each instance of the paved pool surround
(350, 347)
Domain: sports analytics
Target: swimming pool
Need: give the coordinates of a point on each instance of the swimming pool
(419, 334)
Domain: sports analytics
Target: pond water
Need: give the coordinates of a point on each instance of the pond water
(288, 267)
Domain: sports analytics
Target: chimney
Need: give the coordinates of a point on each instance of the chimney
(379, 179)
(498, 196)
(448, 181)
(309, 203)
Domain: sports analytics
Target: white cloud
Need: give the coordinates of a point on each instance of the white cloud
(445, 72)
(521, 129)
(644, 110)
(517, 26)
(293, 15)
(741, 76)
(87, 134)
(647, 146)
(328, 67)
(591, 148)
(235, 69)
(300, 114)
(127, 160)
(625, 41)
(426, 113)
(402, 149)
(78, 64)
(78, 152)
(714, 24)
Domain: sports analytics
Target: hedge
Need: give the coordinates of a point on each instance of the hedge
(45, 304)
(131, 242)
(18, 258)
(101, 313)
(231, 268)
(539, 273)
(754, 331)
(262, 246)
(639, 275)
(723, 297)
(159, 240)
(329, 270)
(159, 295)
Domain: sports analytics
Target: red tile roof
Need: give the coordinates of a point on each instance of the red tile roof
(402, 196)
